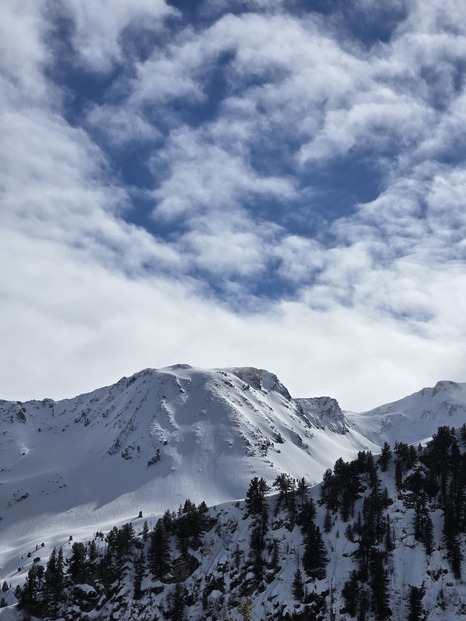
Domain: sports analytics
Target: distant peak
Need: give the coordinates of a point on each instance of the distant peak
(444, 385)
(260, 379)
(324, 413)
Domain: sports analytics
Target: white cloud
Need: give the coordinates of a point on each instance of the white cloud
(99, 25)
(204, 176)
(83, 326)
(376, 312)
(23, 56)
(301, 259)
(121, 126)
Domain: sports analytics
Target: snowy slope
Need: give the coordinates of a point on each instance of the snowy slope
(223, 577)
(414, 418)
(150, 441)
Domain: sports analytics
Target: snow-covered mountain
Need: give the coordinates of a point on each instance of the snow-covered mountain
(414, 418)
(152, 440)
(148, 442)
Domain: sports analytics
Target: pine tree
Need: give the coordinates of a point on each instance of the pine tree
(302, 492)
(30, 597)
(159, 556)
(328, 522)
(54, 584)
(350, 593)
(423, 527)
(93, 552)
(255, 497)
(416, 611)
(297, 586)
(285, 486)
(177, 606)
(257, 546)
(139, 569)
(77, 565)
(245, 609)
(379, 586)
(455, 557)
(389, 539)
(315, 556)
(349, 533)
(385, 457)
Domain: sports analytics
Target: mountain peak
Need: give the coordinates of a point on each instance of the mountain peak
(153, 439)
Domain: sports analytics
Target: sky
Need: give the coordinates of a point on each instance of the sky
(269, 183)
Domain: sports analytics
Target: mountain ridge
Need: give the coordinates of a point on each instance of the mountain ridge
(151, 440)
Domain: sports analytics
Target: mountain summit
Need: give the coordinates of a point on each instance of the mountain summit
(148, 442)
(153, 439)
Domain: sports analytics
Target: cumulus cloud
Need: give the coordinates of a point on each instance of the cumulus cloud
(98, 27)
(243, 123)
(83, 325)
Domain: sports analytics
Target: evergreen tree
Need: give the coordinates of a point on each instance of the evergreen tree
(463, 433)
(379, 586)
(350, 593)
(177, 603)
(257, 546)
(385, 457)
(297, 586)
(423, 527)
(389, 539)
(139, 569)
(328, 523)
(77, 565)
(455, 557)
(159, 555)
(30, 597)
(315, 556)
(349, 533)
(398, 474)
(416, 611)
(245, 609)
(285, 486)
(54, 584)
(255, 497)
(93, 552)
(308, 512)
(302, 492)
(275, 562)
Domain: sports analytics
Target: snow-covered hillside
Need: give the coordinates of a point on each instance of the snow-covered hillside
(379, 539)
(416, 417)
(150, 441)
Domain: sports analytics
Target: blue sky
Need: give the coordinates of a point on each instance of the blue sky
(245, 182)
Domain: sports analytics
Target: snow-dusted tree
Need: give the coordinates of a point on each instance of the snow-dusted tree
(139, 569)
(54, 584)
(177, 603)
(159, 555)
(416, 610)
(30, 597)
(77, 565)
(385, 457)
(245, 609)
(315, 556)
(255, 497)
(297, 586)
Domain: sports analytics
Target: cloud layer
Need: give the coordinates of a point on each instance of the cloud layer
(253, 184)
